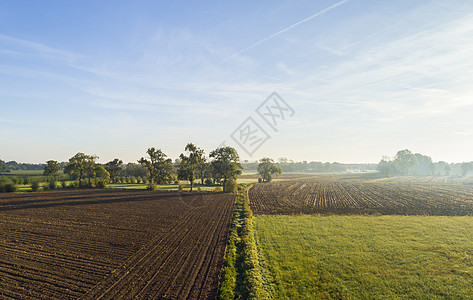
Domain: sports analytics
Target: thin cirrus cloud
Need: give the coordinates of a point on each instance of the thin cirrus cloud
(377, 81)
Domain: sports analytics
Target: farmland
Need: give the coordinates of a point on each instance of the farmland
(355, 195)
(365, 237)
(368, 257)
(111, 244)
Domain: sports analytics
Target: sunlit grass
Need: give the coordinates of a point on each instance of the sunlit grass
(369, 257)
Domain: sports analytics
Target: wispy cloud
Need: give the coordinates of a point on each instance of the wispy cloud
(34, 49)
(265, 39)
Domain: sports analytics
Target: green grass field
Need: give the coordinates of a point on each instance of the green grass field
(368, 257)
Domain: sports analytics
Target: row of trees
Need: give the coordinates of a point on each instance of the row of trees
(407, 163)
(14, 166)
(288, 165)
(221, 167)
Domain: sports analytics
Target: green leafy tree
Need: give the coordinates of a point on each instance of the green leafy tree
(226, 164)
(386, 167)
(3, 166)
(405, 160)
(267, 168)
(114, 168)
(160, 168)
(103, 176)
(78, 165)
(90, 167)
(51, 169)
(189, 163)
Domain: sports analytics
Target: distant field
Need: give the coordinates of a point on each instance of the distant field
(353, 194)
(368, 257)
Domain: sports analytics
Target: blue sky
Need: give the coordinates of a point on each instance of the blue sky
(113, 78)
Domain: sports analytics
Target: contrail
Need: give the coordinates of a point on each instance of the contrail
(289, 28)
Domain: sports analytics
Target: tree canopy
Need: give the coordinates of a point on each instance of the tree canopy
(226, 164)
(51, 169)
(189, 163)
(160, 168)
(114, 168)
(82, 165)
(267, 168)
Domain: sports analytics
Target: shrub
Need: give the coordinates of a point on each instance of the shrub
(102, 184)
(153, 186)
(35, 186)
(208, 182)
(231, 186)
(7, 185)
(63, 184)
(180, 188)
(199, 189)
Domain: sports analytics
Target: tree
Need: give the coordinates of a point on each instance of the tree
(189, 163)
(78, 165)
(466, 167)
(159, 168)
(405, 160)
(447, 170)
(267, 168)
(90, 166)
(114, 168)
(3, 166)
(386, 167)
(51, 169)
(201, 169)
(226, 164)
(103, 175)
(423, 165)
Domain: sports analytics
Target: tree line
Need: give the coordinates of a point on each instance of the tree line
(288, 165)
(407, 163)
(221, 167)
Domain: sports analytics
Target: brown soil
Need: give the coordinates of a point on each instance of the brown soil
(337, 195)
(109, 244)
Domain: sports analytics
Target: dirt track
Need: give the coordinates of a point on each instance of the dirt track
(112, 244)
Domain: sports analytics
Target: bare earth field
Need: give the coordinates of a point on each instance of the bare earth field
(112, 244)
(355, 195)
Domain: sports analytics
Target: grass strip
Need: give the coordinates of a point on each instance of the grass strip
(242, 274)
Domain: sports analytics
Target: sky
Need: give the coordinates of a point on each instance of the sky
(358, 79)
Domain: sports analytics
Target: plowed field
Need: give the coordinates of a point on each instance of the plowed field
(108, 244)
(338, 195)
